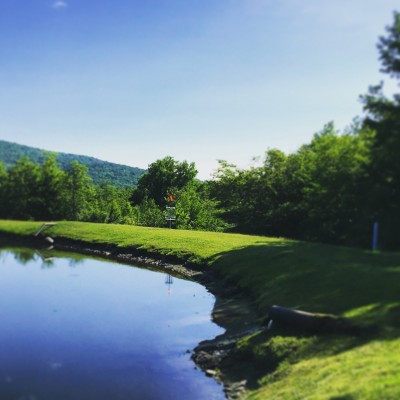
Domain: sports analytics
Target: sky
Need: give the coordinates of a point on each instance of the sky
(132, 81)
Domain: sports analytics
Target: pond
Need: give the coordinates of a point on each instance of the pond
(74, 328)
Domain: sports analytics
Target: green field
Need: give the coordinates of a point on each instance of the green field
(357, 284)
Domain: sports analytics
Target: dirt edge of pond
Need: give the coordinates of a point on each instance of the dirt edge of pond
(233, 311)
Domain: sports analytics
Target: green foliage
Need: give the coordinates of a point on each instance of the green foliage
(77, 192)
(21, 190)
(100, 171)
(316, 193)
(336, 188)
(111, 205)
(164, 178)
(147, 213)
(383, 116)
(333, 189)
(3, 190)
(45, 192)
(51, 182)
(195, 210)
(3, 172)
(31, 191)
(193, 207)
(389, 48)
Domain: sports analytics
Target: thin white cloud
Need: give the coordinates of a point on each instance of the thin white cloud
(59, 4)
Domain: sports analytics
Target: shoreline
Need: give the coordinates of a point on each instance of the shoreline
(232, 310)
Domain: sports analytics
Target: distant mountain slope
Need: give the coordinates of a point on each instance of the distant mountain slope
(99, 171)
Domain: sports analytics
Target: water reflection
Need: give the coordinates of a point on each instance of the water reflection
(24, 256)
(169, 281)
(105, 331)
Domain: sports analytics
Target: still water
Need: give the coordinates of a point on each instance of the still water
(73, 328)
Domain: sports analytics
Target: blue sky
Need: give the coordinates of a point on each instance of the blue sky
(132, 81)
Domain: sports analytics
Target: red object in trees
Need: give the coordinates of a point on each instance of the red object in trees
(171, 198)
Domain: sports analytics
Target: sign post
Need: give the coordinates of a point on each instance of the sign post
(170, 211)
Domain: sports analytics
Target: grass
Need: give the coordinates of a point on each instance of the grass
(195, 246)
(353, 283)
(368, 371)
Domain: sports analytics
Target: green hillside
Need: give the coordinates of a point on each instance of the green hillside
(99, 171)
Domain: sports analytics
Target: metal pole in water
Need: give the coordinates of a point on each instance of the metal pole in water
(375, 236)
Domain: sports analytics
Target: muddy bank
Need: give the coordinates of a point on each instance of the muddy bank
(232, 310)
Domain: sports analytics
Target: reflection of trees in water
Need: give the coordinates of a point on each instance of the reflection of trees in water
(3, 255)
(23, 256)
(73, 262)
(48, 257)
(48, 260)
(48, 264)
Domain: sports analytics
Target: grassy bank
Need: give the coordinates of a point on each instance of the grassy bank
(357, 284)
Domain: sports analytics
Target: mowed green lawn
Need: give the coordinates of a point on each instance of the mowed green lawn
(357, 284)
(196, 246)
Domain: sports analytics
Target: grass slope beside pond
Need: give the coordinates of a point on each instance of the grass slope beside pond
(349, 282)
(196, 246)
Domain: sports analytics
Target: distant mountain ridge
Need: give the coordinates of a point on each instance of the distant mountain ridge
(100, 171)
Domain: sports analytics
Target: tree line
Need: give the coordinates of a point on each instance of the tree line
(100, 171)
(320, 193)
(334, 188)
(33, 191)
(331, 190)
(29, 190)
